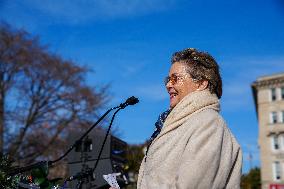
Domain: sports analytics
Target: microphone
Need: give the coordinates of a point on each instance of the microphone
(130, 101)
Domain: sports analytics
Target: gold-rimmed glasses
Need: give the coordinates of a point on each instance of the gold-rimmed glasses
(174, 78)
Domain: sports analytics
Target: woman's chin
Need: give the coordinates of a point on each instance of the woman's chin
(173, 102)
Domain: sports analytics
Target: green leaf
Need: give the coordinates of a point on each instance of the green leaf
(39, 180)
(41, 171)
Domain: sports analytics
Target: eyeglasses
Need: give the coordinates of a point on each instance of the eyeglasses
(174, 78)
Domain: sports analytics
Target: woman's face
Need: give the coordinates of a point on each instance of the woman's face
(179, 83)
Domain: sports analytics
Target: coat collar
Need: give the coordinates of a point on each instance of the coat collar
(193, 102)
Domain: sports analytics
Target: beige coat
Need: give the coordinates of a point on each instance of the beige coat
(195, 149)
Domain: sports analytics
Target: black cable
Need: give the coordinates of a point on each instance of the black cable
(109, 127)
(82, 137)
(130, 101)
(83, 175)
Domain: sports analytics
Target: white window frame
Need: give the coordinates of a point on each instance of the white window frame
(272, 117)
(282, 93)
(281, 116)
(274, 170)
(271, 94)
(275, 142)
(281, 142)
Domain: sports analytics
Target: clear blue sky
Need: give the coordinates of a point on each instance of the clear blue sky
(128, 44)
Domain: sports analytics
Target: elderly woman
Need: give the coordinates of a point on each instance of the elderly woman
(192, 148)
(195, 149)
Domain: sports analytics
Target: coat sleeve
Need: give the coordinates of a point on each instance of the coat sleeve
(210, 159)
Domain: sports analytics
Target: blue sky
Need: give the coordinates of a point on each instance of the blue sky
(128, 44)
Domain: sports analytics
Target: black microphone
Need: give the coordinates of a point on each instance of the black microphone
(130, 101)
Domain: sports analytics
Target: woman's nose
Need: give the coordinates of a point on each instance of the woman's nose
(169, 85)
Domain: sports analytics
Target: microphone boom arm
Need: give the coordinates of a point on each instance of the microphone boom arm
(130, 101)
(83, 136)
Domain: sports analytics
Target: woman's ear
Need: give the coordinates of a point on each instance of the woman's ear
(202, 85)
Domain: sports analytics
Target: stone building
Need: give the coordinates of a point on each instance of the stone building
(268, 94)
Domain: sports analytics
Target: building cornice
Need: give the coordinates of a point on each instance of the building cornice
(266, 82)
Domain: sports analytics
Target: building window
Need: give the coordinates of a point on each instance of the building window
(282, 93)
(276, 170)
(275, 142)
(273, 117)
(273, 94)
(282, 141)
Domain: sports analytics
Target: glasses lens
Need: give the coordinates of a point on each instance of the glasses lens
(173, 79)
(166, 80)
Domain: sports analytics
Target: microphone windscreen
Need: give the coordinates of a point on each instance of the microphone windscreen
(132, 100)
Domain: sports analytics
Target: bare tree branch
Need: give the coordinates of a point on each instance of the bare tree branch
(47, 97)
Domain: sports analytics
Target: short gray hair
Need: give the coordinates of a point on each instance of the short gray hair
(201, 66)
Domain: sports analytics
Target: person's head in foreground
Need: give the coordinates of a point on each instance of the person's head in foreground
(192, 71)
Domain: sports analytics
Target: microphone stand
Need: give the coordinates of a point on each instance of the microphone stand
(49, 163)
(84, 135)
(130, 101)
(102, 147)
(91, 172)
(27, 168)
